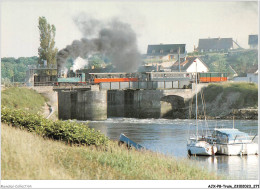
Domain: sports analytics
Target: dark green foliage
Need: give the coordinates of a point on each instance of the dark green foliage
(15, 69)
(70, 132)
(47, 51)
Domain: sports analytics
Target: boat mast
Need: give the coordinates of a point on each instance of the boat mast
(233, 122)
(196, 91)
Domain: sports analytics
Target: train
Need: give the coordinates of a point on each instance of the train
(97, 78)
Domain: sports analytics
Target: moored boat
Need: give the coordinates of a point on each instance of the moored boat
(233, 142)
(200, 147)
(129, 142)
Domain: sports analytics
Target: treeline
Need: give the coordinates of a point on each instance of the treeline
(14, 70)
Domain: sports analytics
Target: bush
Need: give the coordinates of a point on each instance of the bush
(70, 132)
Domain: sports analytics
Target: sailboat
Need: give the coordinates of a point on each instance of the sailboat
(198, 145)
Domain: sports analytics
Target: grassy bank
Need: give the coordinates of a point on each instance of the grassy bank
(23, 98)
(244, 94)
(28, 156)
(222, 99)
(35, 155)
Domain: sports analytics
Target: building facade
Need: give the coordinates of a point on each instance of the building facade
(253, 41)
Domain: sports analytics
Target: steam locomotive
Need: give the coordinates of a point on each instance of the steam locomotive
(97, 78)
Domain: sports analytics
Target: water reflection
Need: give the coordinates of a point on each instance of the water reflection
(234, 167)
(170, 137)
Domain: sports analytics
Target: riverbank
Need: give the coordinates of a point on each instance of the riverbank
(35, 155)
(28, 156)
(225, 101)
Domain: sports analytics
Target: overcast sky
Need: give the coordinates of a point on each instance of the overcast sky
(167, 22)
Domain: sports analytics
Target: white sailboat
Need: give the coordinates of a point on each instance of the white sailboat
(198, 145)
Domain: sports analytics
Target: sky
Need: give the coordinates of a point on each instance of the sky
(154, 22)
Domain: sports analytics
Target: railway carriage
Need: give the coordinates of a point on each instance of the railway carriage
(97, 78)
(211, 77)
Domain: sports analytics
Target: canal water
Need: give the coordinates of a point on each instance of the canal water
(170, 137)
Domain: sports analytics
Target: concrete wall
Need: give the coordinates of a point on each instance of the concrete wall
(115, 103)
(92, 105)
(82, 105)
(64, 105)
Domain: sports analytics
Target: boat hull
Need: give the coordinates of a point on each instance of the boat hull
(201, 148)
(200, 151)
(129, 142)
(237, 149)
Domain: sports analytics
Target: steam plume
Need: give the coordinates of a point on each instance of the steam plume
(115, 39)
(79, 63)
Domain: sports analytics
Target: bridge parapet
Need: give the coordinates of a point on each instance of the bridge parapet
(149, 85)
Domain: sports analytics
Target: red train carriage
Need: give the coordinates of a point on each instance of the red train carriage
(97, 78)
(212, 77)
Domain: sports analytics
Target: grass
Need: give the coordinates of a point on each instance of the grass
(23, 98)
(28, 156)
(248, 93)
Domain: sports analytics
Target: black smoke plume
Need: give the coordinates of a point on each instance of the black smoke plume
(114, 39)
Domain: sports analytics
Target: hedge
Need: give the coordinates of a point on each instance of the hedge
(68, 131)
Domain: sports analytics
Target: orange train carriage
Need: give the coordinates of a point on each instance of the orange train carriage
(97, 78)
(211, 77)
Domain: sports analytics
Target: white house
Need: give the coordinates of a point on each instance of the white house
(251, 77)
(189, 65)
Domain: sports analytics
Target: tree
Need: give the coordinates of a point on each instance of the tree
(47, 51)
(95, 61)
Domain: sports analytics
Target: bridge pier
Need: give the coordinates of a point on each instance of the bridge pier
(82, 104)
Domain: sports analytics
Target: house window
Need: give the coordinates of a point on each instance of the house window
(153, 51)
(161, 51)
(171, 51)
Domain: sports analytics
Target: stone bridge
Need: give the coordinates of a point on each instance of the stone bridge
(97, 103)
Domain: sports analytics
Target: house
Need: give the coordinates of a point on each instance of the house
(253, 41)
(251, 76)
(189, 65)
(217, 44)
(166, 52)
